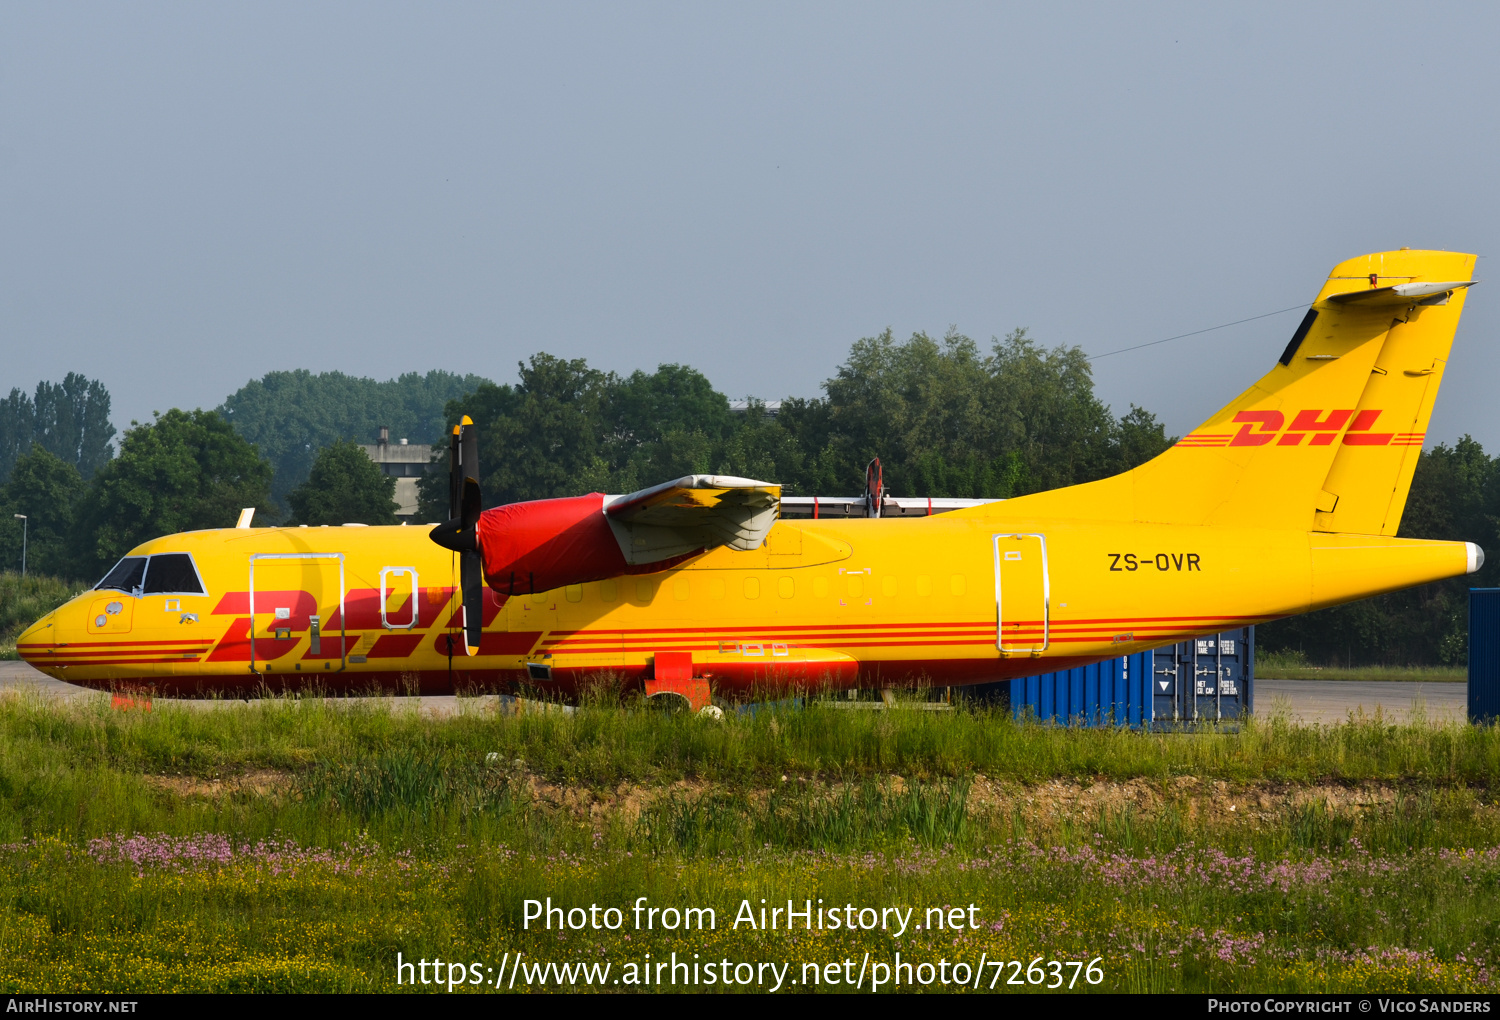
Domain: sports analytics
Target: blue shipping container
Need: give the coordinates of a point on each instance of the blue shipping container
(1113, 692)
(1206, 679)
(1484, 654)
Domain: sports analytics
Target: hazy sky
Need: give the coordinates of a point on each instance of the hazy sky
(196, 194)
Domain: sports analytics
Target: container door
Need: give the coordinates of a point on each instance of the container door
(1021, 594)
(297, 613)
(1221, 689)
(1206, 679)
(1165, 672)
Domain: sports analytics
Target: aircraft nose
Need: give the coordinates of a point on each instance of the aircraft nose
(1476, 557)
(32, 640)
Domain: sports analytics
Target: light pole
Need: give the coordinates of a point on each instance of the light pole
(24, 524)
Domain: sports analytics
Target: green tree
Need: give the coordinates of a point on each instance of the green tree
(68, 419)
(182, 471)
(48, 490)
(905, 401)
(545, 437)
(762, 448)
(948, 421)
(1142, 437)
(662, 425)
(944, 419)
(291, 416)
(344, 487)
(567, 429)
(1043, 407)
(551, 440)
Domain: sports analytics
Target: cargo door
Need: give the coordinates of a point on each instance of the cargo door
(1021, 594)
(297, 613)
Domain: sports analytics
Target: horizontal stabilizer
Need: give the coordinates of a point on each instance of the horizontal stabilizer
(1400, 294)
(691, 513)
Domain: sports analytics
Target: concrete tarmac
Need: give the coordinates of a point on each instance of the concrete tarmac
(1307, 701)
(1333, 701)
(20, 677)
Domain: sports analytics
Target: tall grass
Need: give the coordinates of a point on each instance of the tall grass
(607, 746)
(24, 600)
(324, 772)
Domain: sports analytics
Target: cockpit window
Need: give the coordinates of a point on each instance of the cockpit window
(162, 574)
(172, 574)
(126, 576)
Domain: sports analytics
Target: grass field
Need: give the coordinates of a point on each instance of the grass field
(301, 845)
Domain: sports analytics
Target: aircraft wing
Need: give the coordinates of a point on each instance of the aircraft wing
(691, 513)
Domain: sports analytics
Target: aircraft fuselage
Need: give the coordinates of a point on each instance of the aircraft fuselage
(961, 598)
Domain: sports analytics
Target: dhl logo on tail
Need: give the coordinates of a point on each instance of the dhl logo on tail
(1318, 427)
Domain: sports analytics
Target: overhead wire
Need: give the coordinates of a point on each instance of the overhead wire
(1196, 332)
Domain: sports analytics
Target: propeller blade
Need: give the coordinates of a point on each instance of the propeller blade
(461, 532)
(471, 565)
(453, 475)
(468, 462)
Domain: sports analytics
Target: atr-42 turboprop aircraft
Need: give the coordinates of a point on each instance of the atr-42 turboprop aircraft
(1287, 500)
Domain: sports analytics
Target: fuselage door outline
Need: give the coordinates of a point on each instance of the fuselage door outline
(343, 628)
(1001, 558)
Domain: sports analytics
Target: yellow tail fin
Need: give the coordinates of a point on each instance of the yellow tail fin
(1325, 441)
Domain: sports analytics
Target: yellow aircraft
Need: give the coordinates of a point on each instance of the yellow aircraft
(1285, 501)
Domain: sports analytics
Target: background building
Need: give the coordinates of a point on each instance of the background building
(403, 461)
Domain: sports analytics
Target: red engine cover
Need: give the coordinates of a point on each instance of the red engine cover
(548, 543)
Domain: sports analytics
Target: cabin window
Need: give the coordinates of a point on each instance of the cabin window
(820, 587)
(682, 589)
(172, 574)
(888, 586)
(786, 587)
(752, 587)
(126, 576)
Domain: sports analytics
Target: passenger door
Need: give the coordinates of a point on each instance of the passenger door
(1022, 595)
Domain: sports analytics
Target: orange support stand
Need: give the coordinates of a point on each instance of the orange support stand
(132, 700)
(673, 675)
